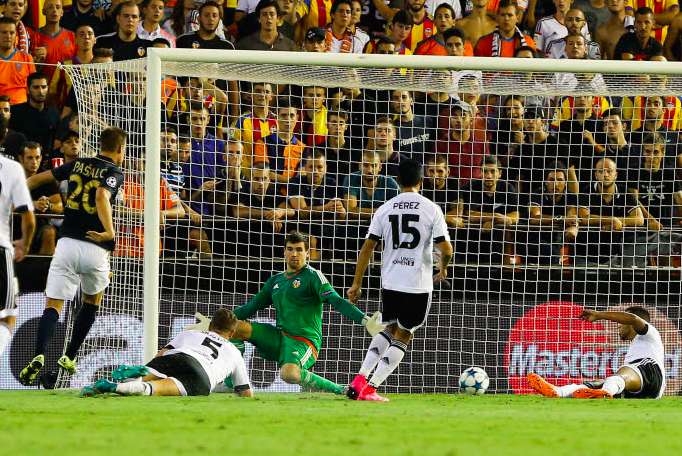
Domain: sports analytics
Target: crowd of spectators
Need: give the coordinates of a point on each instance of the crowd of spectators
(533, 178)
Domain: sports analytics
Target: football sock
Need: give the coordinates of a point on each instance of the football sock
(377, 348)
(388, 363)
(614, 385)
(314, 381)
(568, 390)
(46, 328)
(134, 389)
(81, 328)
(5, 337)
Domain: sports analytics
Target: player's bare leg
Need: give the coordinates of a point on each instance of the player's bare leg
(46, 330)
(84, 320)
(542, 386)
(626, 379)
(149, 385)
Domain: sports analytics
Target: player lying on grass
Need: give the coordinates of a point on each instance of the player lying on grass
(192, 364)
(297, 295)
(643, 374)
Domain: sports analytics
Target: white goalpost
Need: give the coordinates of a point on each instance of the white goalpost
(511, 303)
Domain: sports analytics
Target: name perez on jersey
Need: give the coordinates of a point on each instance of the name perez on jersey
(406, 205)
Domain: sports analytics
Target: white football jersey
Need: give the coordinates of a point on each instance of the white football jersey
(648, 345)
(408, 223)
(219, 358)
(13, 193)
(549, 29)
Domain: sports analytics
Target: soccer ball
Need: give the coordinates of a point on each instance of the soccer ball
(474, 380)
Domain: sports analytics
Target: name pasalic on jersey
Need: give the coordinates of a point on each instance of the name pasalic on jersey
(405, 261)
(88, 170)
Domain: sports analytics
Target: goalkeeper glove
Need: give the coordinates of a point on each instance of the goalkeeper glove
(201, 325)
(373, 324)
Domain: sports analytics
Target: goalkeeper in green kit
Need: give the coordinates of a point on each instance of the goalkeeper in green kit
(297, 295)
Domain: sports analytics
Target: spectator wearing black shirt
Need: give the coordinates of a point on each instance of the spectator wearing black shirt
(654, 185)
(413, 133)
(314, 193)
(610, 209)
(382, 141)
(268, 38)
(579, 131)
(660, 200)
(205, 37)
(82, 12)
(639, 44)
(125, 43)
(443, 190)
(37, 121)
(539, 150)
(654, 121)
(508, 136)
(46, 200)
(341, 158)
(555, 209)
(491, 206)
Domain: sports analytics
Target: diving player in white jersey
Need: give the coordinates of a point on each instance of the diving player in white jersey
(14, 195)
(643, 374)
(192, 364)
(409, 224)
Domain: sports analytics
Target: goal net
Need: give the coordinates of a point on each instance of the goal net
(562, 191)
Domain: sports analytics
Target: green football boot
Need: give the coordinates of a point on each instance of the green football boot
(124, 372)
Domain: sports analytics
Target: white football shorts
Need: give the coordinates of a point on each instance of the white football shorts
(77, 263)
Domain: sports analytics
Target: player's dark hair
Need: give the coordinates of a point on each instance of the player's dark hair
(337, 3)
(402, 17)
(35, 77)
(70, 134)
(198, 106)
(315, 154)
(184, 140)
(612, 112)
(453, 31)
(111, 139)
(447, 6)
(223, 320)
(640, 311)
(507, 4)
(210, 3)
(653, 137)
(4, 98)
(385, 120)
(30, 145)
(81, 25)
(102, 53)
(340, 114)
(490, 160)
(644, 10)
(267, 4)
(161, 40)
(284, 103)
(410, 173)
(128, 4)
(437, 159)
(260, 165)
(168, 129)
(296, 237)
(7, 20)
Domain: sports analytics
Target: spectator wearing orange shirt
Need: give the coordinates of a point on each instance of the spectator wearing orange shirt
(507, 38)
(423, 26)
(13, 77)
(130, 240)
(52, 44)
(435, 45)
(60, 84)
(282, 150)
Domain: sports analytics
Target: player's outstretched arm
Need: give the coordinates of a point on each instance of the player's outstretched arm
(40, 179)
(624, 318)
(355, 291)
(261, 300)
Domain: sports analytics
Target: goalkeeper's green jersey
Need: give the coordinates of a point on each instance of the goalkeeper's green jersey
(298, 299)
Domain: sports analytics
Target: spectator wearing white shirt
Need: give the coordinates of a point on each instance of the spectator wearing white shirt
(575, 23)
(552, 27)
(149, 28)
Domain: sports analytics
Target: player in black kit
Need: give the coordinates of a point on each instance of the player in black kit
(82, 254)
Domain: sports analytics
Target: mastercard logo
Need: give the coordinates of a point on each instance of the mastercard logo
(552, 341)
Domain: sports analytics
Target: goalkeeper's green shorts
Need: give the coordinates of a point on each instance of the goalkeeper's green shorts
(275, 345)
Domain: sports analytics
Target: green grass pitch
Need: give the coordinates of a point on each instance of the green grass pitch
(56, 423)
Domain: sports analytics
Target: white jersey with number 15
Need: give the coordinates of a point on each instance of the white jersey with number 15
(409, 224)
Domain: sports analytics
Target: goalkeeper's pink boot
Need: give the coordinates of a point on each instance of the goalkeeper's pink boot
(356, 387)
(370, 394)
